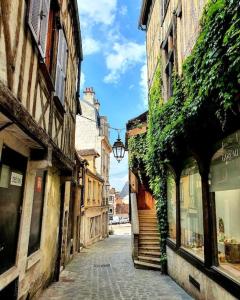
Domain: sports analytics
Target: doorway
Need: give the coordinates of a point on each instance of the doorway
(12, 175)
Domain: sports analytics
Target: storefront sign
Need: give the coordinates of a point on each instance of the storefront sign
(231, 154)
(16, 179)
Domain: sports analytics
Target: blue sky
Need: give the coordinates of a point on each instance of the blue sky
(114, 65)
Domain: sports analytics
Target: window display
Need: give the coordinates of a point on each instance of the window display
(191, 209)
(225, 187)
(171, 202)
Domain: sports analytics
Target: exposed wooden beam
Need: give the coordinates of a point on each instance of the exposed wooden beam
(15, 111)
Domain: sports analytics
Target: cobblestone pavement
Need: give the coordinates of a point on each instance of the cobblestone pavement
(105, 271)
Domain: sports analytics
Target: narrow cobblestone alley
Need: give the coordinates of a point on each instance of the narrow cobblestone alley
(105, 271)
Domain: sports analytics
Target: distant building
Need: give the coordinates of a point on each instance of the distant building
(94, 212)
(92, 144)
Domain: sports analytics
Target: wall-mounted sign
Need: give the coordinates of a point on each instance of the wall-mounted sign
(38, 184)
(16, 179)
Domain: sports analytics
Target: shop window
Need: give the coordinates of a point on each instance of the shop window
(191, 209)
(171, 202)
(225, 187)
(37, 212)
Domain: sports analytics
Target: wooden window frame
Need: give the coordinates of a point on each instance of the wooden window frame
(61, 69)
(164, 9)
(210, 263)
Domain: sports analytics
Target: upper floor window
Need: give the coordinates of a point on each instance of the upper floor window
(89, 189)
(169, 59)
(61, 68)
(164, 8)
(38, 21)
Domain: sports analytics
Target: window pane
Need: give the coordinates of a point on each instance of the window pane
(191, 210)
(37, 210)
(225, 184)
(171, 201)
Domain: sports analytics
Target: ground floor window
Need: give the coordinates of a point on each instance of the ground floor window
(95, 226)
(171, 205)
(191, 212)
(225, 188)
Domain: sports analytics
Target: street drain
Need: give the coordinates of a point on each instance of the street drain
(102, 266)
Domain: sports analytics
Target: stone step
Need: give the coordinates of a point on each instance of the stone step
(148, 226)
(148, 243)
(150, 221)
(149, 259)
(146, 237)
(147, 216)
(146, 265)
(155, 233)
(149, 248)
(150, 253)
(147, 211)
(148, 231)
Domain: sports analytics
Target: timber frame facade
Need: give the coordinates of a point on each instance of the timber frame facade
(203, 177)
(40, 60)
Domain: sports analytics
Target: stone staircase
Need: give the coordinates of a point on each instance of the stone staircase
(149, 241)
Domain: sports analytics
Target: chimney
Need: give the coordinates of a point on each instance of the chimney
(97, 104)
(89, 95)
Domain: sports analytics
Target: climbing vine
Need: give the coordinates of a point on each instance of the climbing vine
(208, 88)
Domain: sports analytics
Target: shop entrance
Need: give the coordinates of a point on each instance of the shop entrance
(12, 174)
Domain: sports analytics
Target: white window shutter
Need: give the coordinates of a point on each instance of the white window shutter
(44, 16)
(61, 67)
(34, 17)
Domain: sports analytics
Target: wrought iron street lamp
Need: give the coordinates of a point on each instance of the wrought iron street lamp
(118, 149)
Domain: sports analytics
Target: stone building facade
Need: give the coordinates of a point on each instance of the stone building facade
(202, 192)
(40, 58)
(94, 211)
(92, 132)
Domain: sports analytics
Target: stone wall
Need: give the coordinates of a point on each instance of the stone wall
(179, 269)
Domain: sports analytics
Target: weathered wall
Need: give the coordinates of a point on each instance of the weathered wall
(36, 270)
(179, 269)
(153, 40)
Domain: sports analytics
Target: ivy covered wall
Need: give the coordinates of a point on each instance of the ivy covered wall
(205, 98)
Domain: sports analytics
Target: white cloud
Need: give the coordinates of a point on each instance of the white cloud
(82, 80)
(123, 10)
(123, 57)
(90, 46)
(118, 172)
(143, 85)
(97, 11)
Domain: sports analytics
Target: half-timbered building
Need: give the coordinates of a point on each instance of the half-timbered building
(40, 59)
